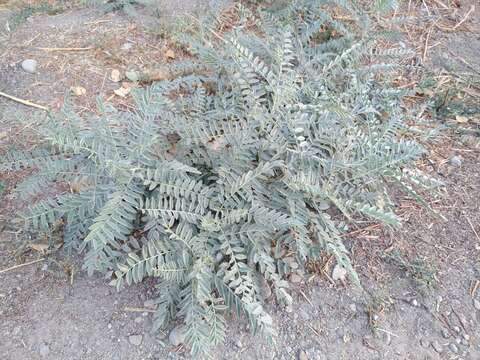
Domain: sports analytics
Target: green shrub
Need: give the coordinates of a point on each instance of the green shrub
(222, 170)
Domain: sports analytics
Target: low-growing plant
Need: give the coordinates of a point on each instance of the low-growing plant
(227, 167)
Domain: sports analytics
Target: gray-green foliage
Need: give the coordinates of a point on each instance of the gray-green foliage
(217, 173)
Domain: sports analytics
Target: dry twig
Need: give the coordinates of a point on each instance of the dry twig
(20, 265)
(24, 102)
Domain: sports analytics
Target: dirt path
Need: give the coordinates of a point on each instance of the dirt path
(47, 314)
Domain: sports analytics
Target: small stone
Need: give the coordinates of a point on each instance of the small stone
(135, 340)
(126, 46)
(415, 302)
(437, 346)
(353, 308)
(339, 273)
(445, 333)
(324, 205)
(238, 344)
(456, 161)
(302, 355)
(109, 326)
(466, 337)
(29, 65)
(44, 350)
(453, 348)
(78, 90)
(218, 257)
(294, 278)
(177, 335)
(476, 304)
(456, 329)
(115, 75)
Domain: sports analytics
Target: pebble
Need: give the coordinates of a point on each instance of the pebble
(238, 343)
(456, 329)
(437, 346)
(302, 355)
(135, 339)
(339, 273)
(476, 304)
(353, 308)
(177, 335)
(44, 350)
(414, 302)
(126, 46)
(324, 205)
(109, 326)
(29, 65)
(456, 161)
(453, 348)
(466, 337)
(445, 333)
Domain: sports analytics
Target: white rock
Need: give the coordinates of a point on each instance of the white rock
(339, 273)
(126, 46)
(456, 161)
(238, 343)
(135, 339)
(29, 65)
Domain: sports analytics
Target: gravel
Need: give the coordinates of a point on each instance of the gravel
(453, 348)
(29, 66)
(339, 273)
(135, 340)
(456, 161)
